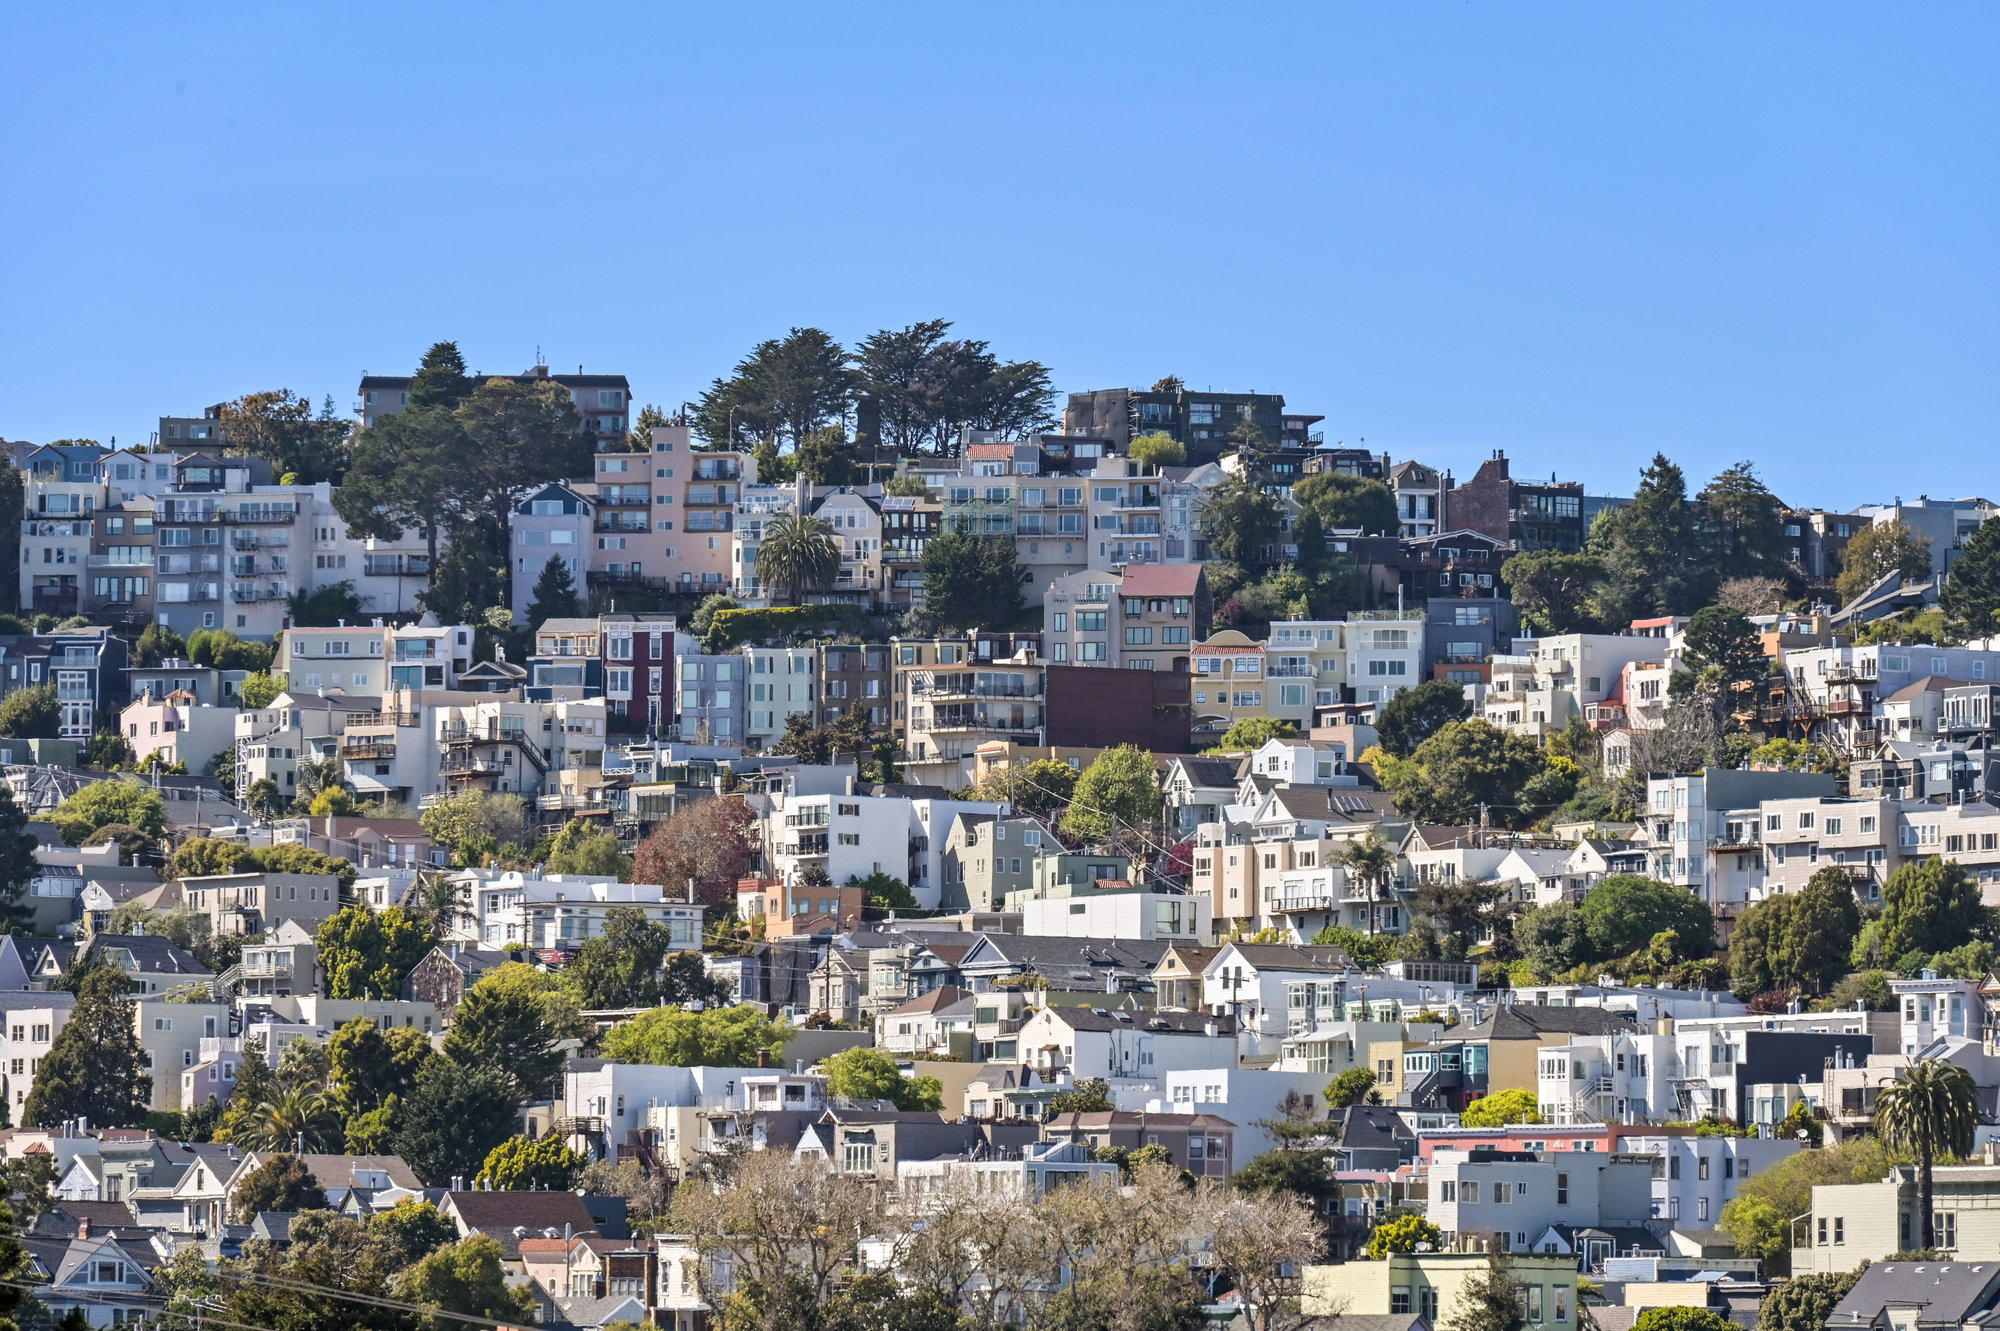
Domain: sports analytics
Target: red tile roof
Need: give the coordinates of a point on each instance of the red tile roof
(990, 451)
(1161, 580)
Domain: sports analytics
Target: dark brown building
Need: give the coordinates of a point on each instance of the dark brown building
(1202, 1144)
(855, 673)
(1088, 708)
(442, 978)
(1535, 515)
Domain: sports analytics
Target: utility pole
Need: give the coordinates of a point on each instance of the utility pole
(1482, 826)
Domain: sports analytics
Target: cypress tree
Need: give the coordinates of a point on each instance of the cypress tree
(92, 1069)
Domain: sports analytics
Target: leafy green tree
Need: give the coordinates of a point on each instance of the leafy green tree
(324, 606)
(501, 1030)
(1624, 911)
(31, 713)
(1725, 639)
(281, 428)
(1253, 732)
(1414, 715)
(281, 1183)
(468, 1278)
(1515, 1105)
(1971, 593)
(1157, 450)
(1877, 550)
(728, 1037)
(1819, 931)
(1759, 1219)
(1805, 1302)
(1039, 789)
(703, 619)
(1092, 1095)
(289, 857)
(156, 644)
(258, 690)
(522, 1163)
(1365, 951)
(202, 857)
(784, 389)
(93, 1067)
(1403, 1232)
(628, 966)
(586, 848)
(862, 1073)
(1243, 522)
(554, 595)
(1488, 1302)
(827, 457)
(1350, 1088)
(1464, 767)
(1742, 524)
(368, 952)
(1307, 1174)
(1932, 1111)
(906, 485)
(454, 1119)
(1555, 590)
(369, 1067)
(884, 891)
(1554, 938)
(1929, 907)
(1682, 1319)
(1117, 789)
(409, 1230)
(1345, 503)
(1755, 946)
(971, 582)
(1652, 550)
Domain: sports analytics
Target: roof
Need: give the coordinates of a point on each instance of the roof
(1209, 773)
(1141, 1019)
(1049, 955)
(990, 451)
(1348, 803)
(1291, 957)
(499, 1214)
(1947, 1292)
(944, 996)
(1928, 684)
(152, 954)
(585, 625)
(1120, 1118)
(1161, 580)
(1526, 1021)
(1363, 1127)
(566, 380)
(338, 1171)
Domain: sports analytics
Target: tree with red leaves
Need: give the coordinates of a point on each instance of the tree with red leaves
(708, 841)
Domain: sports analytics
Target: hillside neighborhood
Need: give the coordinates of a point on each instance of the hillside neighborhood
(891, 845)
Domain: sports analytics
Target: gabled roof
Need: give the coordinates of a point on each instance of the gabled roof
(936, 1001)
(1928, 684)
(1945, 1293)
(499, 1214)
(1161, 580)
(149, 954)
(1290, 957)
(1140, 1019)
(1207, 773)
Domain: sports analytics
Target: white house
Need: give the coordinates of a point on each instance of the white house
(1117, 914)
(1129, 1043)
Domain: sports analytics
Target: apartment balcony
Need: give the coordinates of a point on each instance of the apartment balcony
(463, 764)
(141, 561)
(256, 540)
(251, 513)
(622, 526)
(396, 566)
(486, 734)
(1311, 901)
(976, 691)
(362, 750)
(624, 500)
(1291, 672)
(809, 847)
(949, 720)
(1146, 500)
(634, 581)
(1845, 707)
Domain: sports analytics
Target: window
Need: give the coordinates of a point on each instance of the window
(1562, 1190)
(1399, 1300)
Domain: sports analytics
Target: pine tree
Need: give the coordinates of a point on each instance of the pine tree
(1487, 1302)
(555, 593)
(1971, 595)
(92, 1070)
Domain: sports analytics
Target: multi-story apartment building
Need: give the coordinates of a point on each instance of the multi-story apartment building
(120, 562)
(1229, 683)
(1419, 499)
(568, 660)
(1816, 540)
(1142, 617)
(638, 649)
(299, 725)
(1837, 694)
(1690, 839)
(1126, 510)
(988, 857)
(500, 745)
(1461, 636)
(1946, 523)
(1544, 682)
(64, 490)
(630, 539)
(951, 695)
(856, 675)
(908, 524)
(553, 522)
(373, 658)
(856, 522)
(84, 665)
(781, 682)
(709, 699)
(603, 401)
(1207, 422)
(713, 484)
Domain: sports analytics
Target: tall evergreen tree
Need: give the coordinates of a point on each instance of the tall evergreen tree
(1650, 549)
(501, 1029)
(555, 593)
(92, 1069)
(1742, 526)
(1971, 595)
(17, 863)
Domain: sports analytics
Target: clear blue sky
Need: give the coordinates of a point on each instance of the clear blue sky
(1580, 233)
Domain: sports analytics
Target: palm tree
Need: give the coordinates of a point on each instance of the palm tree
(294, 1118)
(1932, 1110)
(1369, 861)
(318, 775)
(797, 553)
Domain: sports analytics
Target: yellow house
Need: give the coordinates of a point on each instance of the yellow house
(1431, 1285)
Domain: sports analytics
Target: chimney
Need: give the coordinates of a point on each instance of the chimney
(458, 1183)
(763, 1058)
(83, 1228)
